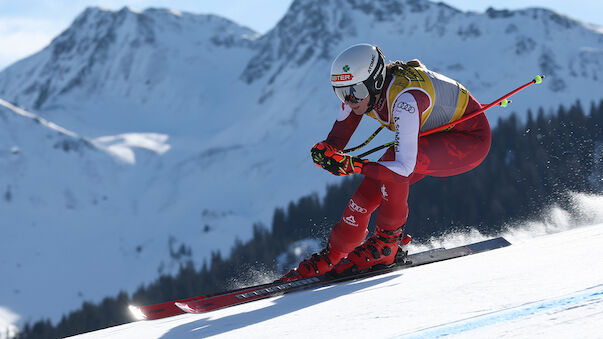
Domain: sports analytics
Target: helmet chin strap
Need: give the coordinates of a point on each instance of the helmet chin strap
(373, 99)
(371, 103)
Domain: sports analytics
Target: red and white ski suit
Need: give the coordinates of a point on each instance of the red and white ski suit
(414, 100)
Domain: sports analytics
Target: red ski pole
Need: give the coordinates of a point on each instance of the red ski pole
(502, 101)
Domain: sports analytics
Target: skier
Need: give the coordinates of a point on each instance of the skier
(406, 98)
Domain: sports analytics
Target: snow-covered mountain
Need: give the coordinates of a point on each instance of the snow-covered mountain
(144, 70)
(155, 70)
(134, 134)
(544, 287)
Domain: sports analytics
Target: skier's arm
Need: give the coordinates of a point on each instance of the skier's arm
(343, 128)
(327, 154)
(406, 118)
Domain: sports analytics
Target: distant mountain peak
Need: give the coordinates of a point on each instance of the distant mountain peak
(102, 42)
(312, 29)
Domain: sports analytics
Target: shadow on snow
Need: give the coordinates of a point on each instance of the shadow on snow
(289, 303)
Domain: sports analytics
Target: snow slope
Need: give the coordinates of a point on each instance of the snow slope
(546, 287)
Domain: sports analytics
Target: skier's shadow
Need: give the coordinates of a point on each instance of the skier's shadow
(207, 327)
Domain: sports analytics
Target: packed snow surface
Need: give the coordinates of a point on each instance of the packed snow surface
(548, 286)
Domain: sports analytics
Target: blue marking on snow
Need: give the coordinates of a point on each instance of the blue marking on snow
(496, 317)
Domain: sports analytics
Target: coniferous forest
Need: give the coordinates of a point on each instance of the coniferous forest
(531, 165)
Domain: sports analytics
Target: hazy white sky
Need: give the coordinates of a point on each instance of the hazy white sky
(26, 26)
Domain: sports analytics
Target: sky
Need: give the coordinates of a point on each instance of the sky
(27, 26)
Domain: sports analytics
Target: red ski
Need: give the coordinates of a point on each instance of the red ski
(158, 311)
(169, 308)
(201, 305)
(227, 299)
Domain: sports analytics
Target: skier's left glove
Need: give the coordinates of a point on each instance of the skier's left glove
(329, 158)
(349, 164)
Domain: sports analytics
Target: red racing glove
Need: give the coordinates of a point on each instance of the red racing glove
(331, 159)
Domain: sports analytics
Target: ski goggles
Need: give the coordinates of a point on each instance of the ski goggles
(354, 93)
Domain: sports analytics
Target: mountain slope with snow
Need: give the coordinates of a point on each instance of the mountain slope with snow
(127, 71)
(62, 215)
(545, 287)
(147, 132)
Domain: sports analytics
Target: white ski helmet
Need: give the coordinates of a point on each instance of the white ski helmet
(358, 72)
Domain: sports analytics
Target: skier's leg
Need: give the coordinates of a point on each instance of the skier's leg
(455, 151)
(414, 177)
(393, 211)
(382, 247)
(351, 229)
(348, 233)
